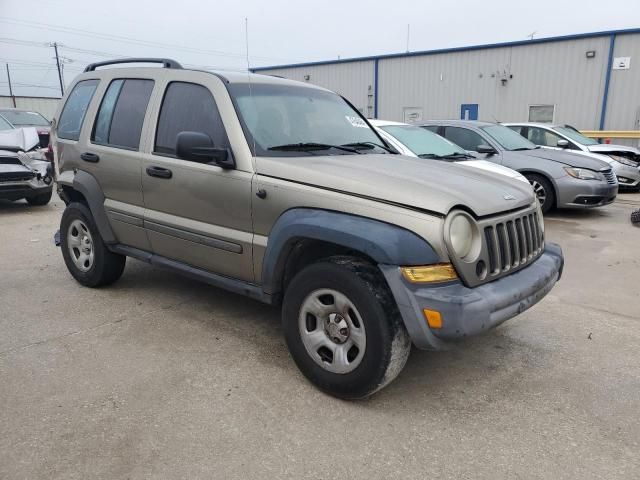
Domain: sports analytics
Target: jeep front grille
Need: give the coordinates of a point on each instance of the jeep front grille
(509, 242)
(512, 243)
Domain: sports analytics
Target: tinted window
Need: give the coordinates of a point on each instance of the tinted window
(467, 139)
(516, 129)
(75, 109)
(121, 115)
(103, 120)
(188, 107)
(432, 128)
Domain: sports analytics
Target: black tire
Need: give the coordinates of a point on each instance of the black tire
(387, 342)
(107, 267)
(39, 200)
(635, 218)
(542, 185)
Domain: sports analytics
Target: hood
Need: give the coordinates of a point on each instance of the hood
(609, 148)
(413, 182)
(568, 158)
(494, 167)
(19, 139)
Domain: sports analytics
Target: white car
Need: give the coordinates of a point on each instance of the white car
(624, 160)
(415, 141)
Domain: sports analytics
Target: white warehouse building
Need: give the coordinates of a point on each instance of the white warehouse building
(591, 81)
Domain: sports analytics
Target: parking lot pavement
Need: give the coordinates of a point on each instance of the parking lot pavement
(160, 376)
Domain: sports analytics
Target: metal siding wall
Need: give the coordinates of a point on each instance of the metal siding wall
(558, 74)
(46, 106)
(354, 80)
(623, 106)
(552, 73)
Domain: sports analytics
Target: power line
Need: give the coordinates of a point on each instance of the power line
(123, 39)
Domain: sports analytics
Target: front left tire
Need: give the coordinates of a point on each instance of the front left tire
(343, 328)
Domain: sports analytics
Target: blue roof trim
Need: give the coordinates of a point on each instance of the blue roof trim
(517, 43)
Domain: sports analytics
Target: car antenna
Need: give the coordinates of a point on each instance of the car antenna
(246, 39)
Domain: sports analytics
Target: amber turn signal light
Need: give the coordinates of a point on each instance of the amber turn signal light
(441, 272)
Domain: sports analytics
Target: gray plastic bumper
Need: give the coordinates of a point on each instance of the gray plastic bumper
(470, 311)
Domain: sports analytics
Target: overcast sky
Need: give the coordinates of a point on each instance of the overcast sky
(212, 34)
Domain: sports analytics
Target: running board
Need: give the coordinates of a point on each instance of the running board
(236, 286)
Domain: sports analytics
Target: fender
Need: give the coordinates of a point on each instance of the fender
(87, 185)
(383, 242)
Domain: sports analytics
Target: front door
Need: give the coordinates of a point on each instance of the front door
(469, 111)
(196, 213)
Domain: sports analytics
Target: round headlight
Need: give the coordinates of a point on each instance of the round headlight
(461, 235)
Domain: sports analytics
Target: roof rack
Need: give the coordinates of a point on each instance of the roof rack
(166, 62)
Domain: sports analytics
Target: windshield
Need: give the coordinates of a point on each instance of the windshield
(575, 136)
(423, 142)
(508, 139)
(286, 120)
(20, 118)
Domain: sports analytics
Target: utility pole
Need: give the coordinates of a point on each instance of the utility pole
(13, 99)
(55, 47)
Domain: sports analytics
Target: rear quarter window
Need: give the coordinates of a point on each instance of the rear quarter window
(75, 109)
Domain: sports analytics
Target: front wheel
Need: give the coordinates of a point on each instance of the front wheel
(343, 328)
(543, 190)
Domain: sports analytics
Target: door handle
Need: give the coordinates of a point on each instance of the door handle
(90, 157)
(159, 172)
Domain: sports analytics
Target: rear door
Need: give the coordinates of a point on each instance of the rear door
(112, 155)
(197, 213)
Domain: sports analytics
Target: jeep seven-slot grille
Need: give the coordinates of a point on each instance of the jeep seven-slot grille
(513, 243)
(610, 176)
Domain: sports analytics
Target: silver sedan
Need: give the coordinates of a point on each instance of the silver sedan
(560, 178)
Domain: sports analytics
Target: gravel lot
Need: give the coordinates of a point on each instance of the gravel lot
(159, 376)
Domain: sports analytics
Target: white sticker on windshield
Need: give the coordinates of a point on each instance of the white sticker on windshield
(356, 121)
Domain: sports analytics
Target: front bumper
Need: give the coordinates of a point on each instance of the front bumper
(628, 177)
(470, 311)
(25, 189)
(575, 193)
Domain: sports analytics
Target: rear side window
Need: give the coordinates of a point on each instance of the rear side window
(121, 115)
(467, 139)
(75, 109)
(188, 107)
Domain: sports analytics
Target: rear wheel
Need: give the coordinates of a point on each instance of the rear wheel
(87, 258)
(543, 190)
(343, 328)
(41, 199)
(635, 218)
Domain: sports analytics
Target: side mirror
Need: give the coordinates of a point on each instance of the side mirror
(489, 150)
(198, 147)
(562, 143)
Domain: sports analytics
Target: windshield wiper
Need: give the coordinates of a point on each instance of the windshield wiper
(450, 156)
(520, 149)
(367, 145)
(310, 146)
